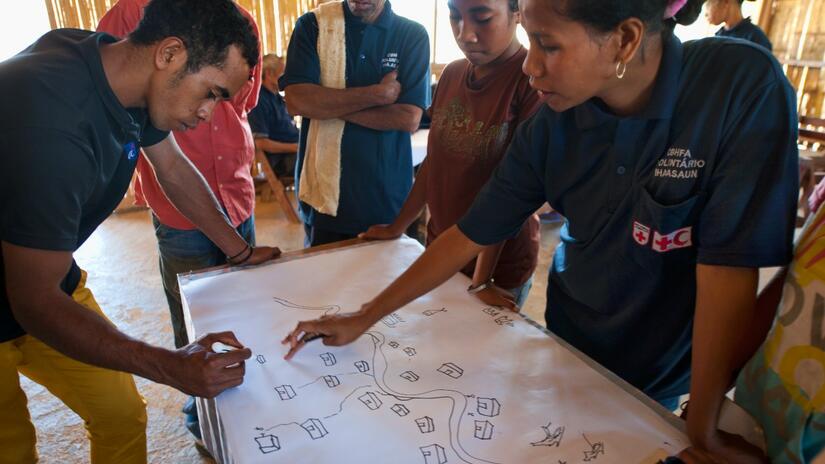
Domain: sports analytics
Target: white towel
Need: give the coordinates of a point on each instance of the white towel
(320, 184)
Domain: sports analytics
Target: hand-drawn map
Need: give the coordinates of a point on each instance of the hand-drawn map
(443, 380)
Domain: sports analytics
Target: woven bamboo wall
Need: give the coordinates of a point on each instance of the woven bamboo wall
(275, 17)
(797, 31)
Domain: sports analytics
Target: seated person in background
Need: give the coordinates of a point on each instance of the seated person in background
(730, 13)
(478, 103)
(273, 128)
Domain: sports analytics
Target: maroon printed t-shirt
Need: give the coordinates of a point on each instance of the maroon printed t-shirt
(473, 122)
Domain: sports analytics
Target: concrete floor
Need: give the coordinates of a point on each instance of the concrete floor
(121, 259)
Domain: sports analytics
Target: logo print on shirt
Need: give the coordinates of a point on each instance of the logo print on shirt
(678, 163)
(390, 61)
(641, 233)
(131, 151)
(680, 238)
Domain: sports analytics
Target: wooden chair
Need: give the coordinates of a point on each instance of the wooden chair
(276, 186)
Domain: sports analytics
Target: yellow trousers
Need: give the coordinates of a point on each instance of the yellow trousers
(113, 411)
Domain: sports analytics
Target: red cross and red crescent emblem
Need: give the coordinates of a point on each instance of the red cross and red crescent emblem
(641, 233)
(680, 238)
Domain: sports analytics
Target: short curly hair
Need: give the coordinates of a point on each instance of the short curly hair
(206, 27)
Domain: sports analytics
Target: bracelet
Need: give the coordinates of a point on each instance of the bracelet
(473, 289)
(246, 258)
(230, 258)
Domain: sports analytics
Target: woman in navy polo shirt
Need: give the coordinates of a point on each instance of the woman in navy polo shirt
(676, 168)
(729, 12)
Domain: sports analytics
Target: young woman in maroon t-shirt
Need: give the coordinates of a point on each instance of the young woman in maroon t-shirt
(477, 105)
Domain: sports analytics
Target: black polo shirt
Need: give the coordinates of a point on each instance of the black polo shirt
(707, 173)
(67, 149)
(746, 30)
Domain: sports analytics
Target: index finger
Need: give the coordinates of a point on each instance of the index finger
(303, 327)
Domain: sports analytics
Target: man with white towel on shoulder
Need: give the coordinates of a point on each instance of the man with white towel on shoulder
(359, 76)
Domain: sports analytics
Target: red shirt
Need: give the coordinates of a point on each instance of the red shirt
(473, 122)
(222, 149)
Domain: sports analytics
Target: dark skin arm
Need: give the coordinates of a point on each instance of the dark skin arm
(731, 448)
(485, 267)
(188, 191)
(410, 210)
(318, 102)
(398, 117)
(33, 285)
(443, 258)
(725, 298)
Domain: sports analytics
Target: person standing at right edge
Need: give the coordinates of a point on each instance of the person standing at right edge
(729, 12)
(676, 168)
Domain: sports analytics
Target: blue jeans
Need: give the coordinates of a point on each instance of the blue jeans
(520, 293)
(183, 251)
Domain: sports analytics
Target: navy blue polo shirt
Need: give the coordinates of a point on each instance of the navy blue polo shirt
(68, 149)
(376, 166)
(271, 120)
(746, 30)
(707, 173)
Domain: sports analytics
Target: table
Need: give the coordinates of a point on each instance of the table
(506, 385)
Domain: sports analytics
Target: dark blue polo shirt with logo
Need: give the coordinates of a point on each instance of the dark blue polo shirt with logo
(746, 30)
(376, 166)
(707, 173)
(67, 150)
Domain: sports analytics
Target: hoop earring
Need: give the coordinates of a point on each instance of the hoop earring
(623, 66)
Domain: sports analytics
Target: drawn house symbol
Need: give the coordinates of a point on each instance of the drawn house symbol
(391, 320)
(268, 443)
(328, 358)
(491, 311)
(484, 430)
(451, 370)
(504, 320)
(410, 351)
(489, 407)
(425, 424)
(393, 344)
(260, 358)
(362, 366)
(285, 392)
(332, 381)
(433, 454)
(370, 400)
(409, 375)
(400, 409)
(314, 428)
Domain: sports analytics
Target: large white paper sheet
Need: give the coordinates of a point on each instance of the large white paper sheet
(443, 380)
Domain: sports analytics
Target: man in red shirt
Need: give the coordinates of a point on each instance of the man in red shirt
(223, 151)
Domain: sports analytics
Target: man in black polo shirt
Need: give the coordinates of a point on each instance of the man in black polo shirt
(82, 105)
